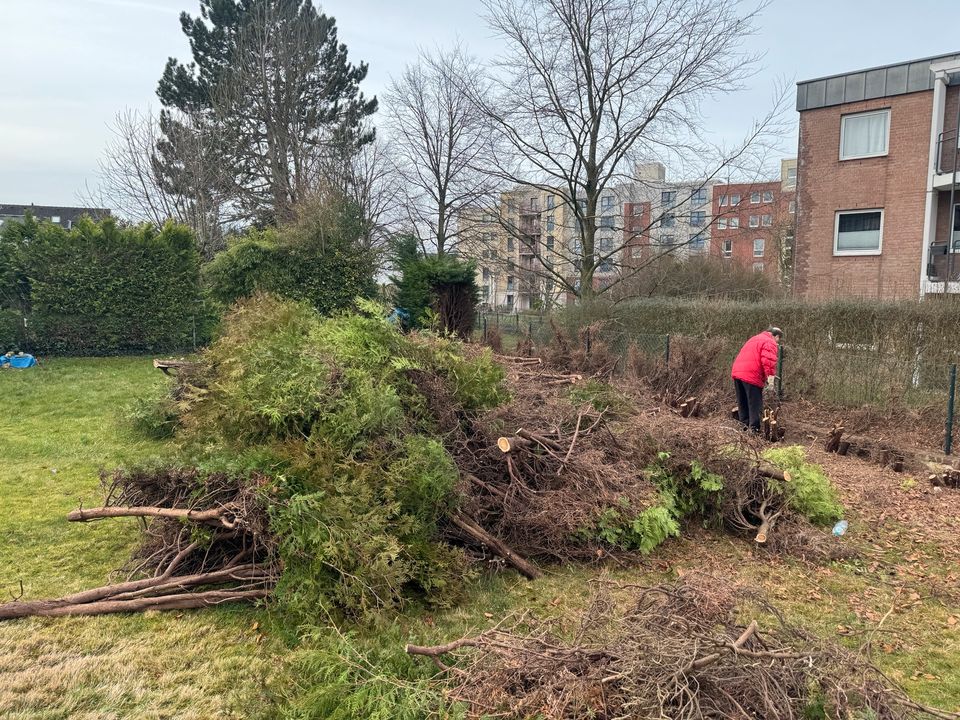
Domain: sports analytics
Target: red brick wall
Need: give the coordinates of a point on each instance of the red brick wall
(895, 182)
(742, 237)
(943, 215)
(636, 235)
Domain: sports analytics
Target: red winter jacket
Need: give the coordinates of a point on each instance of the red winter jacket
(757, 359)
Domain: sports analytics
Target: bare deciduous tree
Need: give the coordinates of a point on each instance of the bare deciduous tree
(137, 187)
(589, 86)
(440, 146)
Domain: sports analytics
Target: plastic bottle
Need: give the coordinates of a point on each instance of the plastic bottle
(840, 528)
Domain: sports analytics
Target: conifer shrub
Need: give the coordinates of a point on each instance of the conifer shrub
(809, 490)
(334, 411)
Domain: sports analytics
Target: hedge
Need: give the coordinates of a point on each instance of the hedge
(845, 351)
(103, 289)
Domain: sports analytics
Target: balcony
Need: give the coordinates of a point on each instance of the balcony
(948, 160)
(943, 266)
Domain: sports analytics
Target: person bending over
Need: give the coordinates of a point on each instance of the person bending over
(755, 366)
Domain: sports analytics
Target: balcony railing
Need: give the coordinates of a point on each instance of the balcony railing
(943, 265)
(947, 161)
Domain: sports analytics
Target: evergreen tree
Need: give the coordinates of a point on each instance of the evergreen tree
(275, 96)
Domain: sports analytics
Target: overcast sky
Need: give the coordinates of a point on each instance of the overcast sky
(68, 66)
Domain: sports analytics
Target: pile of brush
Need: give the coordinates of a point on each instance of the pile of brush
(205, 542)
(696, 648)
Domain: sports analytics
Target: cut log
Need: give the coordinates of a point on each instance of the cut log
(833, 438)
(497, 546)
(842, 447)
(511, 444)
(217, 516)
(181, 601)
(735, 412)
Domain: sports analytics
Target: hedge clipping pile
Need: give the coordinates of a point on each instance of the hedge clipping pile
(341, 468)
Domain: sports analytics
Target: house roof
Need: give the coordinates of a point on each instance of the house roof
(884, 81)
(48, 211)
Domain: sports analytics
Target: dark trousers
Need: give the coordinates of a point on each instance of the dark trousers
(749, 404)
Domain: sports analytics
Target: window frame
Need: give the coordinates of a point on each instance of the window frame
(755, 194)
(727, 247)
(733, 223)
(766, 221)
(701, 218)
(751, 223)
(843, 126)
(767, 196)
(736, 202)
(792, 207)
(763, 247)
(721, 223)
(856, 253)
(759, 267)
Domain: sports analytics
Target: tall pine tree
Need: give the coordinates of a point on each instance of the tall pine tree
(275, 96)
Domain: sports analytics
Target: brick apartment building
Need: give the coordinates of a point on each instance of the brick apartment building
(753, 223)
(876, 193)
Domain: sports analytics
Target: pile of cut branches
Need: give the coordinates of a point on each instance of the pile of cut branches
(692, 649)
(205, 542)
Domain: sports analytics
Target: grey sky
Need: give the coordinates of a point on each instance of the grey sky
(68, 66)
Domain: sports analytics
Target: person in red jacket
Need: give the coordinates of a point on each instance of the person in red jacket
(755, 366)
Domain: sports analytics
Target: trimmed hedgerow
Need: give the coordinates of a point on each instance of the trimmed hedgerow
(102, 289)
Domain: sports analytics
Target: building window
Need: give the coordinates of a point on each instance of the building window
(793, 207)
(55, 219)
(768, 196)
(697, 218)
(767, 220)
(509, 301)
(486, 293)
(666, 239)
(858, 232)
(864, 135)
(486, 274)
(754, 198)
(758, 267)
(638, 209)
(534, 203)
(758, 246)
(721, 223)
(697, 243)
(734, 200)
(791, 177)
(550, 222)
(699, 196)
(550, 202)
(606, 221)
(667, 197)
(511, 283)
(734, 223)
(728, 248)
(549, 242)
(606, 202)
(754, 221)
(667, 220)
(723, 201)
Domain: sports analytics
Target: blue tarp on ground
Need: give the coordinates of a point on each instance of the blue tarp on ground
(20, 362)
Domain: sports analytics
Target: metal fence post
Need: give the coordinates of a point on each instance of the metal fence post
(666, 351)
(779, 372)
(948, 436)
(484, 329)
(588, 340)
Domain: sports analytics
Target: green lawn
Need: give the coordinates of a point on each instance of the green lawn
(61, 424)
(64, 422)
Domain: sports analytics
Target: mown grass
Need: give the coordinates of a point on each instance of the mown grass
(61, 424)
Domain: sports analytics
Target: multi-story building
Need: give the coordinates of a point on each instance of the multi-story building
(63, 216)
(877, 195)
(753, 223)
(679, 212)
(514, 247)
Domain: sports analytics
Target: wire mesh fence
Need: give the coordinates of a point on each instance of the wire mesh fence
(842, 374)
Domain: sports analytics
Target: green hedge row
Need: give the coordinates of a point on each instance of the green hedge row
(101, 289)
